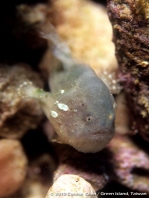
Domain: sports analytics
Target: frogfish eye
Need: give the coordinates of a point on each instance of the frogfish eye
(88, 118)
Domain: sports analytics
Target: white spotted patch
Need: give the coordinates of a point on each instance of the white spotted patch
(56, 102)
(54, 114)
(114, 106)
(63, 107)
(62, 91)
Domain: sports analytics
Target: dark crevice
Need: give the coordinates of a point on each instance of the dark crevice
(139, 141)
(104, 2)
(140, 172)
(36, 143)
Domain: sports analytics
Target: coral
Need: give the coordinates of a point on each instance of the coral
(71, 185)
(13, 166)
(17, 116)
(89, 41)
(80, 24)
(130, 163)
(130, 25)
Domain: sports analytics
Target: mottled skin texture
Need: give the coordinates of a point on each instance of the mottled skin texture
(88, 125)
(80, 106)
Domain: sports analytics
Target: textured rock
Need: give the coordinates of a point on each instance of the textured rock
(17, 116)
(123, 116)
(71, 185)
(130, 21)
(13, 164)
(94, 168)
(130, 163)
(39, 178)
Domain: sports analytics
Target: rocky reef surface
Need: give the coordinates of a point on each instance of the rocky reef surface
(34, 162)
(130, 21)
